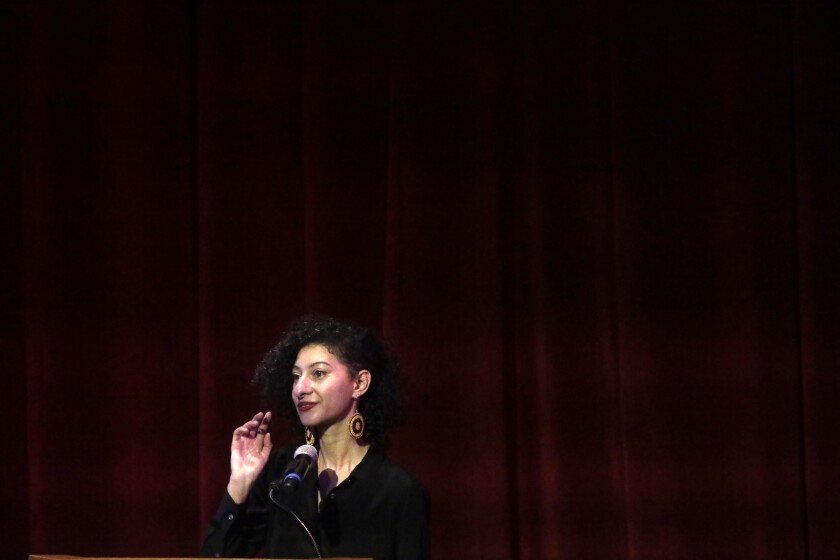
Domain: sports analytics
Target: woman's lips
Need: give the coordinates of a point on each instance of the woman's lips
(304, 406)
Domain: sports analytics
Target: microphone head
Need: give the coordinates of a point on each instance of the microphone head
(305, 457)
(309, 451)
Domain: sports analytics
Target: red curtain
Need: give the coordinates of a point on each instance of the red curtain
(603, 237)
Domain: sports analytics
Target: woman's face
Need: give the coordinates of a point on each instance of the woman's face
(322, 389)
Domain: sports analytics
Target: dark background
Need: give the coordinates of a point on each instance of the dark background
(602, 235)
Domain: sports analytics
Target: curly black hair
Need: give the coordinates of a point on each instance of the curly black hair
(357, 348)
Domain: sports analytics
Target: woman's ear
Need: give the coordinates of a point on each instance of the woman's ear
(362, 383)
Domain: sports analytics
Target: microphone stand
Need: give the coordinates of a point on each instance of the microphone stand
(272, 489)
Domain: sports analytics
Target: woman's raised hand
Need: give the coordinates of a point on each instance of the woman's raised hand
(249, 452)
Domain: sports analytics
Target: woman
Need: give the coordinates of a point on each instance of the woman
(343, 387)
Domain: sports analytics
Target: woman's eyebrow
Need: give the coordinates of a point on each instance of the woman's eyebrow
(313, 364)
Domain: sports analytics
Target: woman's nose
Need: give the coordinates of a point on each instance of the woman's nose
(302, 385)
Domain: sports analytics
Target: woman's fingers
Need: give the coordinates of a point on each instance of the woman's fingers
(254, 424)
(262, 428)
(253, 427)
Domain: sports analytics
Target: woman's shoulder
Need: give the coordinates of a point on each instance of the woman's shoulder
(405, 491)
(396, 476)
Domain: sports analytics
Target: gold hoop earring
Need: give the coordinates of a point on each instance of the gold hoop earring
(357, 425)
(308, 436)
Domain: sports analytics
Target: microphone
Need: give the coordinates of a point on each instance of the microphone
(305, 457)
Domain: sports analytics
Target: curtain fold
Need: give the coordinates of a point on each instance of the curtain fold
(817, 140)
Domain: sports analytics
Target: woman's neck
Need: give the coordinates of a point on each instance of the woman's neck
(339, 451)
(339, 455)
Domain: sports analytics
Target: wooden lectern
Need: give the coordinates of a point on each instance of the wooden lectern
(66, 557)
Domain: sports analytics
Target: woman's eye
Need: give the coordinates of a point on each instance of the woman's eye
(320, 373)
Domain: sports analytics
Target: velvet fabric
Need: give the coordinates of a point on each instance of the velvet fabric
(602, 235)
